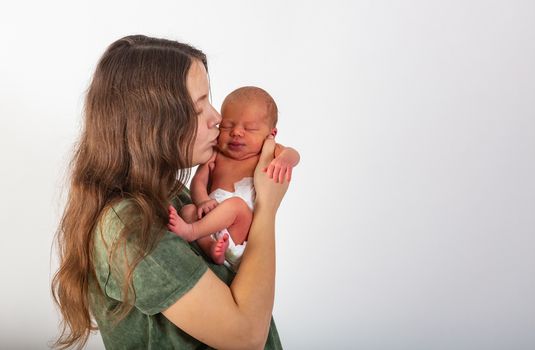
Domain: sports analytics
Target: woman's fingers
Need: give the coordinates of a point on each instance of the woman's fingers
(266, 156)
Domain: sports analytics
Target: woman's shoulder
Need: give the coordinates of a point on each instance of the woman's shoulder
(124, 212)
(113, 219)
(121, 208)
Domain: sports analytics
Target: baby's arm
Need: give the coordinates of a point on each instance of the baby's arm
(199, 188)
(281, 166)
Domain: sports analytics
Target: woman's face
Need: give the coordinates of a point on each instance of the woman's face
(208, 117)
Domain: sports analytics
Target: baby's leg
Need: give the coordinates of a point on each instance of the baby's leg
(215, 249)
(232, 214)
(189, 213)
(181, 224)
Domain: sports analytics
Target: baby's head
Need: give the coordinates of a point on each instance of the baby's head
(249, 116)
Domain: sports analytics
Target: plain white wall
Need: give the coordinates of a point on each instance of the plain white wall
(410, 222)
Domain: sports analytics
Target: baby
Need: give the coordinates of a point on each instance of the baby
(222, 189)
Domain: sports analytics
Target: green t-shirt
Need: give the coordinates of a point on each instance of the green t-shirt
(171, 269)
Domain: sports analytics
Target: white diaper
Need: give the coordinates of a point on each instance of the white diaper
(243, 189)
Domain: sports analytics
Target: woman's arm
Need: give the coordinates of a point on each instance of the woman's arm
(238, 317)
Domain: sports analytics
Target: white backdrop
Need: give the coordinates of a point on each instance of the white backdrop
(410, 222)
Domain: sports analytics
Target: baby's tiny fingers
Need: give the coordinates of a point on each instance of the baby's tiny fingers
(281, 175)
(276, 174)
(270, 170)
(289, 174)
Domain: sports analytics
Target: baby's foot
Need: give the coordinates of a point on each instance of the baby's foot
(218, 249)
(179, 226)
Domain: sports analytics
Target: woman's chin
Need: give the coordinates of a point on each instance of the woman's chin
(204, 158)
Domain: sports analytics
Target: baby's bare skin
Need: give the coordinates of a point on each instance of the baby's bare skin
(247, 122)
(228, 171)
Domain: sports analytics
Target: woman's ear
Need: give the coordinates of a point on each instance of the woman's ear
(273, 132)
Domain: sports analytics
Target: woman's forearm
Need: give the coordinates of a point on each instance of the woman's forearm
(239, 317)
(253, 287)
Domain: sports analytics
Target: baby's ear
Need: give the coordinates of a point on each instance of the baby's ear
(273, 132)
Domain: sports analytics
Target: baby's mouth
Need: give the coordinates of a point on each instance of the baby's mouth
(235, 145)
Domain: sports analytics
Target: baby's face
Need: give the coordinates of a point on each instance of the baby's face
(243, 129)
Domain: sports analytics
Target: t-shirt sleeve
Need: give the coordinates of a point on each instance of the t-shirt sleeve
(170, 270)
(167, 273)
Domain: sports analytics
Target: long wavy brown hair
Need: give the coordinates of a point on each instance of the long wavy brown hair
(136, 143)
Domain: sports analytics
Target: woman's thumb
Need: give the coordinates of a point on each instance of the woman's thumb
(267, 152)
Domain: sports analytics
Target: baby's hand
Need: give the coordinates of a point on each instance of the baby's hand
(268, 193)
(205, 207)
(279, 169)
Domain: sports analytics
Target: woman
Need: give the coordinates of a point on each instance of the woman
(148, 119)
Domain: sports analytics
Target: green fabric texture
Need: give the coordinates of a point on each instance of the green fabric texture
(171, 269)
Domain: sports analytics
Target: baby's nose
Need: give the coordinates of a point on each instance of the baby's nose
(236, 132)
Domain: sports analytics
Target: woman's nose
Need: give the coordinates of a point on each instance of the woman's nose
(215, 118)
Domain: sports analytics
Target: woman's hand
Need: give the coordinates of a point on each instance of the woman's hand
(268, 193)
(239, 316)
